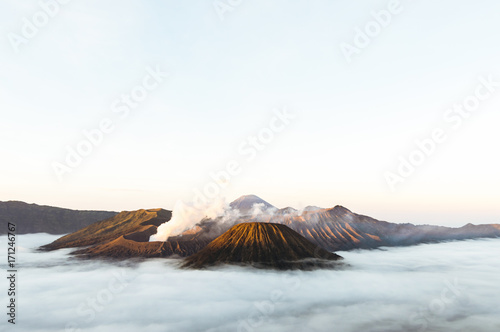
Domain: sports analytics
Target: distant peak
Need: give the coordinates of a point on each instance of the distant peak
(247, 202)
(341, 208)
(249, 197)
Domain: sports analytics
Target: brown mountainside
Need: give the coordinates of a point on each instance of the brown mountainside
(137, 244)
(138, 225)
(262, 245)
(127, 246)
(339, 229)
(127, 234)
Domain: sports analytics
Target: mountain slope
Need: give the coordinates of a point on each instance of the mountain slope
(137, 244)
(127, 246)
(138, 225)
(33, 218)
(127, 234)
(262, 245)
(340, 229)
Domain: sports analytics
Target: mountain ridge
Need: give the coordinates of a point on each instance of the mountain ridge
(131, 223)
(35, 218)
(333, 229)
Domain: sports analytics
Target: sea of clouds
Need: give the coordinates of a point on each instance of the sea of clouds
(433, 287)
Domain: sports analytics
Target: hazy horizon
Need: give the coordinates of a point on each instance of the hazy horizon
(274, 87)
(403, 220)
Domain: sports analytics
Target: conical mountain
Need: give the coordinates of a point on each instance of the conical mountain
(247, 202)
(263, 245)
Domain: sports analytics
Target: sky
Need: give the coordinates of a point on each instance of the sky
(432, 287)
(336, 93)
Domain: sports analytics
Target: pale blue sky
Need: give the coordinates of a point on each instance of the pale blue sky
(353, 120)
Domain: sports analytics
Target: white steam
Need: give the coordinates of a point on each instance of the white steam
(186, 216)
(261, 209)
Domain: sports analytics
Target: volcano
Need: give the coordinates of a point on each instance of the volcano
(246, 203)
(127, 234)
(138, 224)
(263, 245)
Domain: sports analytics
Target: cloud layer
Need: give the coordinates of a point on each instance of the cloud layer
(438, 287)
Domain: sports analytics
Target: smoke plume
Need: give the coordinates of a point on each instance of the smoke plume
(186, 216)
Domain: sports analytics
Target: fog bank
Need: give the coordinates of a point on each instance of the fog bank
(437, 287)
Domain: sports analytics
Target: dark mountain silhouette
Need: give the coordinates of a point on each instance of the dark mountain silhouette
(264, 245)
(33, 218)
